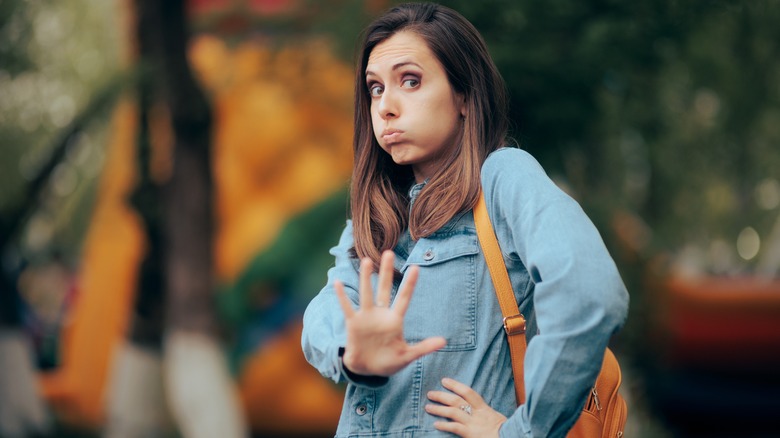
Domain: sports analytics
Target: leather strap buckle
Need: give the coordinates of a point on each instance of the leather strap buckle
(514, 325)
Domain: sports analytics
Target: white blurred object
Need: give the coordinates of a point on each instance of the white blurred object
(721, 257)
(136, 405)
(748, 243)
(769, 261)
(23, 412)
(768, 194)
(689, 262)
(200, 390)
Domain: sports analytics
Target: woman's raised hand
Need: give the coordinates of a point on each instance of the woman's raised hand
(375, 335)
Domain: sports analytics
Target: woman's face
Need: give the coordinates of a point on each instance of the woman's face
(415, 113)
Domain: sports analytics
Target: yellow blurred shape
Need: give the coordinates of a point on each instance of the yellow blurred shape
(283, 138)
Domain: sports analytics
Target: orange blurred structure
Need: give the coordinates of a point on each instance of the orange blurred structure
(107, 280)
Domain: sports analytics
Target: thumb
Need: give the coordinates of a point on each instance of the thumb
(426, 346)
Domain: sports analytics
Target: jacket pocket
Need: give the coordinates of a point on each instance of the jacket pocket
(444, 303)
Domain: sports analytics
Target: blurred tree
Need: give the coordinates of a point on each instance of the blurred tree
(176, 285)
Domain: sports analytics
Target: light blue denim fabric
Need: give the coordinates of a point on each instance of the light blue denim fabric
(565, 281)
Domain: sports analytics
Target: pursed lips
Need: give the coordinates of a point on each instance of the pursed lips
(390, 135)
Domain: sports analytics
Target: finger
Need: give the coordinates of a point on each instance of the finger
(454, 413)
(405, 292)
(445, 398)
(451, 427)
(366, 296)
(346, 304)
(426, 346)
(464, 391)
(385, 283)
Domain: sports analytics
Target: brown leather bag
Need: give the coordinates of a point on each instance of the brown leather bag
(604, 414)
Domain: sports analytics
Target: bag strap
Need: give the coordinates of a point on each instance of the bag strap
(514, 321)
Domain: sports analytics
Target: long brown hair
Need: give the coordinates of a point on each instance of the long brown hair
(380, 202)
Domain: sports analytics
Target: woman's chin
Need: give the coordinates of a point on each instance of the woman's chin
(402, 159)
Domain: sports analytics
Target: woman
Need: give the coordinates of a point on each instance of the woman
(421, 343)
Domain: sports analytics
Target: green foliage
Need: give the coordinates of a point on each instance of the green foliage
(666, 110)
(13, 28)
(51, 56)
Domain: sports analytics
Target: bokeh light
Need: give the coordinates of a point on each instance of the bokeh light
(748, 243)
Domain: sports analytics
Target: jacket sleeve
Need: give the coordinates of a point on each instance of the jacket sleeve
(324, 336)
(323, 320)
(578, 296)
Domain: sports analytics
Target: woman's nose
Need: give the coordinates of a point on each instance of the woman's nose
(388, 106)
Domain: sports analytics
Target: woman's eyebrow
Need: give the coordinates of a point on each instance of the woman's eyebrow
(404, 64)
(397, 66)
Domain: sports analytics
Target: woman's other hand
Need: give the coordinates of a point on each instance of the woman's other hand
(375, 336)
(469, 415)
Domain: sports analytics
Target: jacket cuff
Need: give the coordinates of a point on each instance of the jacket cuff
(516, 426)
(359, 379)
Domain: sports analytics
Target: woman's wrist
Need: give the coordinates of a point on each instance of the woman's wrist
(360, 379)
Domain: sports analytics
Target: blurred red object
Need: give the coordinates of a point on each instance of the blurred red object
(712, 369)
(721, 321)
(260, 7)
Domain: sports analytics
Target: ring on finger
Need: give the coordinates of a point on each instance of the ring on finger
(466, 409)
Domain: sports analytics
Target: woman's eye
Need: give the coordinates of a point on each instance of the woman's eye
(375, 90)
(410, 83)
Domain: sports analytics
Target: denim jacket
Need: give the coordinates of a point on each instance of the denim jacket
(566, 285)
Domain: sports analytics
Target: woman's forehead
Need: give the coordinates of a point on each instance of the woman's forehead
(401, 48)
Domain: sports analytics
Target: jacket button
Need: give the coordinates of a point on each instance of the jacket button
(428, 255)
(361, 410)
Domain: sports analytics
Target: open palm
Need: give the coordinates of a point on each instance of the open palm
(375, 337)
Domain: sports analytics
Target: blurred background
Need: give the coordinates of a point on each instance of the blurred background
(173, 174)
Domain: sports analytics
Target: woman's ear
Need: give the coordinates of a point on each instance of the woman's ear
(462, 100)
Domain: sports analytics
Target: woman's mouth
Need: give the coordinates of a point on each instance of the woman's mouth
(391, 135)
